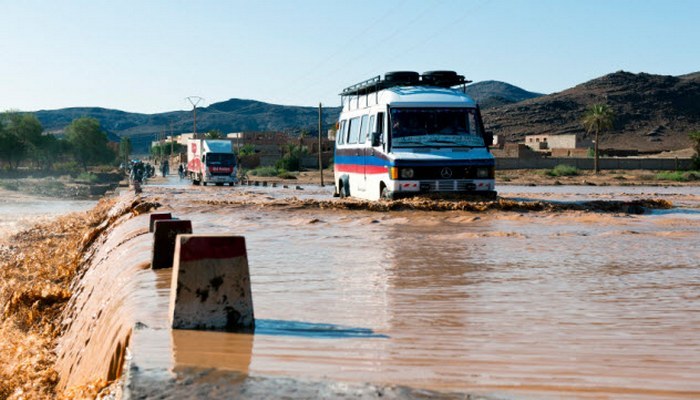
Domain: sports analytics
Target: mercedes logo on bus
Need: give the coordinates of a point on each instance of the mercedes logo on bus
(446, 173)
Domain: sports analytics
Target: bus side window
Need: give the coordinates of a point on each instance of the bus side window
(340, 139)
(372, 126)
(363, 130)
(354, 130)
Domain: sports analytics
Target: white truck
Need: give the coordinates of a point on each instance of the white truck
(211, 161)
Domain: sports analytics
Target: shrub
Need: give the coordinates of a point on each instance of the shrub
(264, 171)
(71, 168)
(284, 174)
(562, 170)
(10, 185)
(678, 176)
(88, 177)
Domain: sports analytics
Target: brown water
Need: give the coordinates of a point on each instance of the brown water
(20, 211)
(533, 305)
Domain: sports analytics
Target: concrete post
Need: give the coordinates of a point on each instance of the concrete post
(164, 235)
(210, 287)
(156, 217)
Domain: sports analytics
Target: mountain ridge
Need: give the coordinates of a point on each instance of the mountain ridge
(653, 112)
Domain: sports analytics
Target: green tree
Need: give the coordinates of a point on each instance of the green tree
(21, 136)
(89, 142)
(214, 134)
(247, 149)
(49, 150)
(291, 160)
(10, 147)
(125, 150)
(695, 137)
(598, 118)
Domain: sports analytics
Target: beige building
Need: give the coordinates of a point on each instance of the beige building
(547, 143)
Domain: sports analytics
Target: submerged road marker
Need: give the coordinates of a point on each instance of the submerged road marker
(164, 235)
(210, 287)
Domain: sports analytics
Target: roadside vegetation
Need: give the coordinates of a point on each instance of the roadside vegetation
(599, 118)
(678, 176)
(562, 170)
(26, 148)
(270, 171)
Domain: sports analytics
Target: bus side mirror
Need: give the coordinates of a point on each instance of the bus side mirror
(376, 139)
(488, 138)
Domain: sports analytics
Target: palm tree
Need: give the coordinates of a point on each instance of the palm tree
(598, 118)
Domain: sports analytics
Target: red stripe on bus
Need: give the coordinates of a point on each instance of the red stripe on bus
(360, 169)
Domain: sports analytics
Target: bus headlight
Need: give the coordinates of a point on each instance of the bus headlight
(482, 173)
(406, 173)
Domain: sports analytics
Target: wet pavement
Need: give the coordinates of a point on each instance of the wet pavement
(508, 304)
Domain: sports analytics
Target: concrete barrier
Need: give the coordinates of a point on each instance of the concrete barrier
(210, 287)
(164, 234)
(156, 217)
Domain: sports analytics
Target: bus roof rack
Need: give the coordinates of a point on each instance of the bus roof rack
(444, 79)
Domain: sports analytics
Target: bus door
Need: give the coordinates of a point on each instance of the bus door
(365, 151)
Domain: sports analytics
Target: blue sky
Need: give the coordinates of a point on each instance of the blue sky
(148, 55)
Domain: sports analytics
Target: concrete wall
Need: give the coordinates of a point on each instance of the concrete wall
(587, 163)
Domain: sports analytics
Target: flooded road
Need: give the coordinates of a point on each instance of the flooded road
(516, 305)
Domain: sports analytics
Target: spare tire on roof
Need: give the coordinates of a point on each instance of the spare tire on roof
(442, 78)
(402, 78)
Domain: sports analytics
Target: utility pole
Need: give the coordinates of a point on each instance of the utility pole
(194, 100)
(320, 156)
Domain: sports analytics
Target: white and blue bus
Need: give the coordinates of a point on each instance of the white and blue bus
(411, 134)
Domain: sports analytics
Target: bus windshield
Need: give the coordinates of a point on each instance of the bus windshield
(221, 159)
(435, 127)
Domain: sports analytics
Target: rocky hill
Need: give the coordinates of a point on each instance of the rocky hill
(653, 112)
(491, 94)
(233, 115)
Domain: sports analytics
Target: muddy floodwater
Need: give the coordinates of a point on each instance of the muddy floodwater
(521, 305)
(19, 211)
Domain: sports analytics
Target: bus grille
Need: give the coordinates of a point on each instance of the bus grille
(447, 185)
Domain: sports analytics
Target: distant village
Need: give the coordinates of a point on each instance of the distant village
(534, 152)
